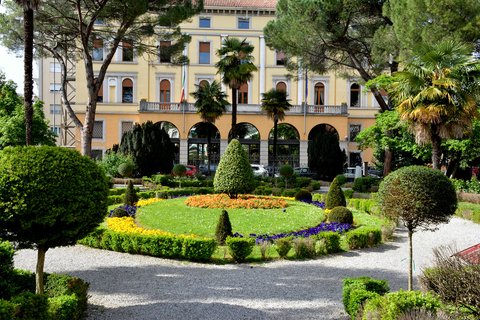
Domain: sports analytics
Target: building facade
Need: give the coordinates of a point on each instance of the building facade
(149, 88)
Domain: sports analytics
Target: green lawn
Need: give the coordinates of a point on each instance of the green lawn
(174, 216)
(470, 211)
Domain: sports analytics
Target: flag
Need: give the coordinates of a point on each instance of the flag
(182, 95)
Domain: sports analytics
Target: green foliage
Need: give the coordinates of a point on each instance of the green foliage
(112, 161)
(240, 248)
(303, 195)
(6, 267)
(357, 290)
(324, 154)
(150, 148)
(31, 306)
(470, 186)
(179, 170)
(126, 169)
(394, 304)
(119, 212)
(286, 172)
(341, 179)
(224, 228)
(335, 196)
(210, 101)
(341, 215)
(7, 310)
(369, 206)
(283, 246)
(63, 307)
(198, 249)
(304, 248)
(364, 184)
(420, 196)
(131, 196)
(234, 174)
(363, 237)
(330, 241)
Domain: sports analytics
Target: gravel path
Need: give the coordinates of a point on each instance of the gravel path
(124, 286)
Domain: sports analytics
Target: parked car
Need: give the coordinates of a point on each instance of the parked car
(304, 172)
(376, 173)
(259, 170)
(191, 171)
(204, 168)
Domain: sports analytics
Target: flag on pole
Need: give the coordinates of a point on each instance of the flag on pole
(182, 96)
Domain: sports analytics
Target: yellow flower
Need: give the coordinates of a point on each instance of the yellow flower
(146, 202)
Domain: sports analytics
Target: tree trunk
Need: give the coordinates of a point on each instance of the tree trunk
(28, 73)
(39, 288)
(87, 130)
(387, 161)
(436, 149)
(410, 259)
(209, 154)
(234, 113)
(275, 127)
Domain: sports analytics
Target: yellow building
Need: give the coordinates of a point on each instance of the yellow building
(141, 88)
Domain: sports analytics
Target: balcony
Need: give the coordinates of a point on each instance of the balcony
(186, 107)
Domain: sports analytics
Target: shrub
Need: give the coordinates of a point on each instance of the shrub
(363, 237)
(31, 306)
(283, 246)
(6, 267)
(335, 196)
(316, 185)
(224, 228)
(7, 310)
(120, 212)
(330, 241)
(302, 182)
(126, 169)
(392, 305)
(112, 161)
(179, 170)
(341, 179)
(348, 193)
(115, 199)
(357, 290)
(240, 248)
(364, 184)
(62, 307)
(304, 248)
(303, 195)
(287, 173)
(341, 215)
(131, 196)
(198, 249)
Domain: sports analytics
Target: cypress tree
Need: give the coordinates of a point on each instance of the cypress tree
(335, 196)
(224, 228)
(131, 196)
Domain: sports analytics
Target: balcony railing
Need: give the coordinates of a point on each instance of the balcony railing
(177, 107)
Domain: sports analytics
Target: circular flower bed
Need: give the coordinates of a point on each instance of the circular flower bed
(222, 201)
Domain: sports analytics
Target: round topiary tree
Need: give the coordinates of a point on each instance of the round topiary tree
(234, 174)
(131, 196)
(179, 171)
(224, 228)
(49, 197)
(126, 169)
(341, 215)
(303, 195)
(420, 197)
(335, 196)
(286, 172)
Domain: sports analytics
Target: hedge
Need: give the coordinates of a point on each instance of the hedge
(363, 237)
(164, 246)
(330, 239)
(164, 194)
(357, 290)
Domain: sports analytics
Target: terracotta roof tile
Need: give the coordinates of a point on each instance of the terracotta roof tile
(267, 4)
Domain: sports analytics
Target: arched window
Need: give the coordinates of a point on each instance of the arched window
(164, 91)
(127, 91)
(97, 54)
(243, 94)
(203, 83)
(354, 95)
(319, 94)
(281, 86)
(127, 50)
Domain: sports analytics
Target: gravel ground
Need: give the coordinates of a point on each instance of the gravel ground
(124, 286)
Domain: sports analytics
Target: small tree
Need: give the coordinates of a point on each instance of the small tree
(420, 197)
(179, 171)
(131, 196)
(49, 197)
(234, 174)
(286, 171)
(224, 228)
(335, 196)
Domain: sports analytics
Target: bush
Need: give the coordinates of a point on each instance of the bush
(7, 310)
(224, 228)
(115, 199)
(330, 241)
(392, 305)
(179, 170)
(304, 248)
(234, 174)
(364, 184)
(341, 179)
(31, 306)
(363, 237)
(289, 193)
(125, 170)
(357, 290)
(198, 249)
(348, 193)
(303, 195)
(6, 267)
(240, 248)
(302, 182)
(335, 196)
(118, 212)
(112, 161)
(341, 215)
(283, 246)
(131, 196)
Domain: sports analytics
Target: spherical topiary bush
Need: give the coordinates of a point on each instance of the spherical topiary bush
(335, 196)
(179, 170)
(420, 197)
(341, 215)
(224, 228)
(286, 172)
(126, 169)
(49, 197)
(303, 195)
(234, 174)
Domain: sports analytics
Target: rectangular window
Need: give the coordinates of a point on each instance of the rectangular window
(243, 23)
(127, 51)
(96, 154)
(56, 130)
(55, 67)
(55, 109)
(54, 87)
(97, 130)
(204, 22)
(97, 54)
(280, 58)
(354, 131)
(126, 126)
(204, 53)
(165, 52)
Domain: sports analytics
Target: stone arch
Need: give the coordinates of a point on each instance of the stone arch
(174, 135)
(249, 137)
(288, 145)
(198, 144)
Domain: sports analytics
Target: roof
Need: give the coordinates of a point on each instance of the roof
(261, 4)
(471, 254)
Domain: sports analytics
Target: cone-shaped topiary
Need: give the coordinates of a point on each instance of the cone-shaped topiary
(335, 196)
(234, 174)
(131, 196)
(224, 228)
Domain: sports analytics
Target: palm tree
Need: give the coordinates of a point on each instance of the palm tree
(236, 66)
(437, 94)
(211, 103)
(275, 103)
(28, 7)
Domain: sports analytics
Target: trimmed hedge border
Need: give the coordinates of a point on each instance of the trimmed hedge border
(357, 290)
(115, 198)
(363, 237)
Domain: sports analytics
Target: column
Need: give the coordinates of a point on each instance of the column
(223, 146)
(304, 153)
(184, 151)
(300, 86)
(262, 66)
(185, 74)
(264, 152)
